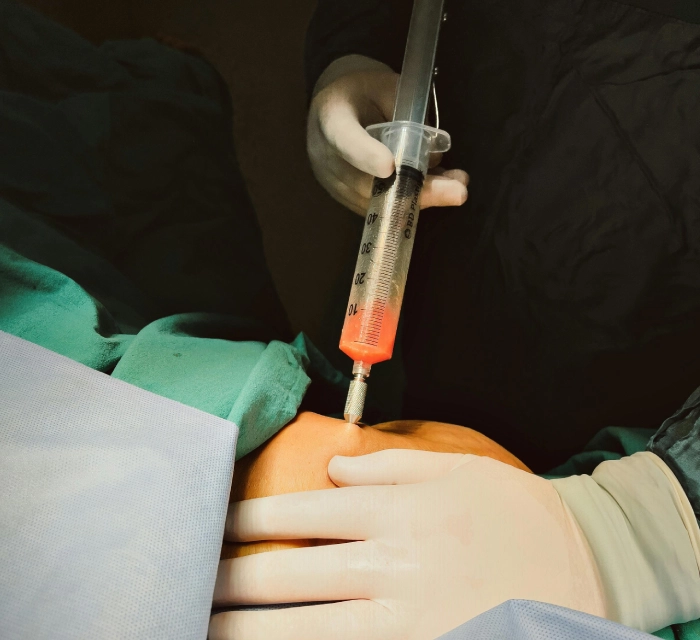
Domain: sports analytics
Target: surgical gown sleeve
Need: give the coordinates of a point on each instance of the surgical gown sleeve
(677, 443)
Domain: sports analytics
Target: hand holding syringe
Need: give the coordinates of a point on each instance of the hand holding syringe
(372, 315)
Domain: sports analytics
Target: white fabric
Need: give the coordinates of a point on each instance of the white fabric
(112, 504)
(644, 536)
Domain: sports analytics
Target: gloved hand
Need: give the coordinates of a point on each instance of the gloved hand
(441, 538)
(296, 459)
(353, 93)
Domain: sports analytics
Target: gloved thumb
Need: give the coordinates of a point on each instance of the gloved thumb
(392, 466)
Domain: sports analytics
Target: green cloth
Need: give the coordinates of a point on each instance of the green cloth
(258, 386)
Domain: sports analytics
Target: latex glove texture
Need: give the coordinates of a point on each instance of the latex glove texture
(353, 93)
(437, 538)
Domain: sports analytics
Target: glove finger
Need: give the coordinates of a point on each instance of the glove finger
(357, 182)
(435, 160)
(456, 174)
(443, 191)
(350, 514)
(343, 131)
(338, 620)
(350, 185)
(346, 184)
(310, 574)
(348, 197)
(391, 466)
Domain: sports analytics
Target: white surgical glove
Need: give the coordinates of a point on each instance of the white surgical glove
(351, 94)
(440, 539)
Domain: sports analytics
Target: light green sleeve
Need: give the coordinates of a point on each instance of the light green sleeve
(257, 385)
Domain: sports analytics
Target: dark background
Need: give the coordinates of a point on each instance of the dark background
(310, 240)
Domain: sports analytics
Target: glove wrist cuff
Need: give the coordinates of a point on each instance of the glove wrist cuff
(644, 538)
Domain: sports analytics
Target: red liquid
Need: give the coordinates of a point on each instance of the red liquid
(360, 343)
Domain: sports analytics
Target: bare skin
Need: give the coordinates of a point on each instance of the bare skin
(297, 458)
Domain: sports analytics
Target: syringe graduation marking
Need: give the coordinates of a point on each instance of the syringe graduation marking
(388, 245)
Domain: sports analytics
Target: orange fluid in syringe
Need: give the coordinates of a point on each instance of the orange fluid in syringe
(369, 336)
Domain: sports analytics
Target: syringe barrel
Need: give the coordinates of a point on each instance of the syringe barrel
(376, 294)
(377, 289)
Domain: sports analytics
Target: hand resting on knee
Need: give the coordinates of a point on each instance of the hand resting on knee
(296, 459)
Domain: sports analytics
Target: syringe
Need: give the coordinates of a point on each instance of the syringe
(372, 315)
